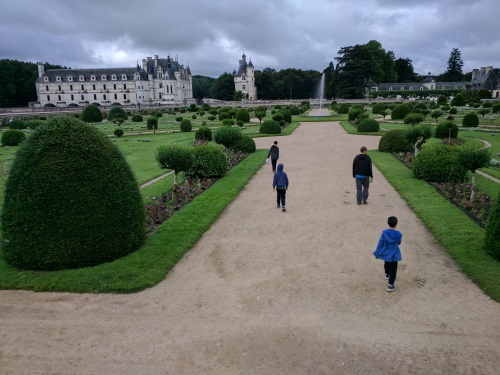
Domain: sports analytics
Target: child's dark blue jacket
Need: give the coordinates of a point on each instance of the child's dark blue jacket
(280, 178)
(387, 248)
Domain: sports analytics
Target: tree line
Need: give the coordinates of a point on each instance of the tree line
(345, 78)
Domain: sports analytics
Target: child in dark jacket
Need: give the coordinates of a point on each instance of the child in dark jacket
(280, 184)
(388, 251)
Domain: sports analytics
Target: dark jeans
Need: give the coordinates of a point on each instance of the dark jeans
(281, 197)
(273, 162)
(362, 186)
(391, 268)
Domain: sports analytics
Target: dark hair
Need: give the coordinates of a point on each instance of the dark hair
(363, 149)
(275, 142)
(392, 221)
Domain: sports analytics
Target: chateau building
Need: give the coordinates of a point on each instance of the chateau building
(157, 81)
(484, 78)
(244, 79)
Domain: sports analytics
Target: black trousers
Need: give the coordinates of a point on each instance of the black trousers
(281, 197)
(273, 162)
(391, 268)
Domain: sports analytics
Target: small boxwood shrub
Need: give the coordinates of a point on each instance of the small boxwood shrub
(368, 125)
(193, 117)
(487, 104)
(71, 200)
(491, 242)
(33, 124)
(12, 137)
(453, 111)
(179, 118)
(208, 162)
(470, 120)
(157, 113)
(240, 123)
(117, 114)
(211, 117)
(118, 132)
(294, 110)
(439, 163)
(495, 108)
(446, 129)
(186, 126)
(458, 100)
(378, 108)
(270, 127)
(400, 111)
(354, 113)
(242, 115)
(18, 124)
(137, 117)
(203, 134)
(343, 109)
(92, 113)
(244, 144)
(152, 122)
(287, 117)
(394, 141)
(228, 122)
(278, 117)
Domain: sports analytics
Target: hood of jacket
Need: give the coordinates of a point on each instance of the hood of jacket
(392, 236)
(280, 167)
(361, 156)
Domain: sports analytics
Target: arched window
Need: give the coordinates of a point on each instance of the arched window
(104, 96)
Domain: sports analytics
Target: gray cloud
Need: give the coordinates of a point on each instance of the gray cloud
(210, 36)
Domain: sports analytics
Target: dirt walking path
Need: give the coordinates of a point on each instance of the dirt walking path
(267, 292)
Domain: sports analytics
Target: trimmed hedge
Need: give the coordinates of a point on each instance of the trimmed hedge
(12, 137)
(343, 109)
(242, 115)
(378, 108)
(245, 144)
(203, 134)
(152, 122)
(491, 240)
(208, 162)
(470, 120)
(118, 132)
(444, 128)
(186, 126)
(439, 163)
(394, 141)
(117, 113)
(368, 125)
(270, 127)
(137, 117)
(91, 113)
(71, 200)
(400, 111)
(18, 124)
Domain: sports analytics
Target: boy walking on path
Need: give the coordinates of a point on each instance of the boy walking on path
(274, 153)
(280, 184)
(388, 251)
(362, 173)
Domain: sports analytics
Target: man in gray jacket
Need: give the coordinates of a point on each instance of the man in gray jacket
(274, 153)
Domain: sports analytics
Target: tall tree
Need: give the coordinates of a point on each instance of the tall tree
(404, 70)
(201, 86)
(223, 87)
(454, 72)
(265, 81)
(351, 72)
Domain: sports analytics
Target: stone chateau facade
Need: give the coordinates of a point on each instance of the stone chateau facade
(244, 79)
(157, 81)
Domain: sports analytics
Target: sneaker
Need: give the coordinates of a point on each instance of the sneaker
(365, 202)
(387, 276)
(359, 203)
(284, 209)
(278, 206)
(390, 288)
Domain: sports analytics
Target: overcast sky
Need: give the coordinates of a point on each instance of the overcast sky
(211, 35)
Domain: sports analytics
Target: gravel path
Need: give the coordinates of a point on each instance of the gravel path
(267, 292)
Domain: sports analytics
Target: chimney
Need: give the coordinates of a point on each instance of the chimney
(489, 69)
(475, 72)
(156, 60)
(41, 69)
(145, 65)
(481, 70)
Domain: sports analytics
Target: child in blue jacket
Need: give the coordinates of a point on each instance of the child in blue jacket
(280, 184)
(388, 251)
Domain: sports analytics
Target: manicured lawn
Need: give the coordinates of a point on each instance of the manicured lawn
(148, 265)
(461, 237)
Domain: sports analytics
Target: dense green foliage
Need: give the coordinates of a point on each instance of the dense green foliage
(394, 141)
(203, 133)
(176, 157)
(118, 132)
(186, 126)
(458, 100)
(287, 116)
(413, 118)
(474, 158)
(71, 200)
(343, 109)
(91, 113)
(270, 127)
(400, 111)
(18, 124)
(368, 125)
(208, 162)
(152, 122)
(439, 163)
(491, 240)
(137, 117)
(446, 129)
(242, 115)
(470, 120)
(12, 137)
(117, 114)
(227, 136)
(245, 144)
(378, 108)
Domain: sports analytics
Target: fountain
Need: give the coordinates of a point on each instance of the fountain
(320, 94)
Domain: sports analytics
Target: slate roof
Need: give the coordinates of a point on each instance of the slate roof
(242, 69)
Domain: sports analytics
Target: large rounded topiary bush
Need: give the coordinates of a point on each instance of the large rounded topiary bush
(92, 113)
(137, 117)
(245, 144)
(491, 242)
(117, 114)
(394, 141)
(400, 111)
(242, 115)
(12, 137)
(18, 124)
(378, 108)
(439, 163)
(446, 129)
(270, 127)
(203, 134)
(368, 125)
(470, 120)
(71, 200)
(208, 162)
(343, 109)
(186, 126)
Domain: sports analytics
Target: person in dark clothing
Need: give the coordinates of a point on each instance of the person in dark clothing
(388, 250)
(280, 185)
(362, 173)
(274, 153)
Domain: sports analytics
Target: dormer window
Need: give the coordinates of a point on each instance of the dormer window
(58, 78)
(113, 77)
(243, 76)
(81, 78)
(103, 77)
(70, 78)
(46, 79)
(160, 75)
(92, 77)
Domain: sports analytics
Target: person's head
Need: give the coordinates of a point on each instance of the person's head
(363, 149)
(280, 167)
(392, 221)
(275, 143)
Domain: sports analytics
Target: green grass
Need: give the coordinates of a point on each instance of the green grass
(457, 233)
(150, 264)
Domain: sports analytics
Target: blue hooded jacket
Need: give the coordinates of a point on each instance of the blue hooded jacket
(280, 178)
(387, 247)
